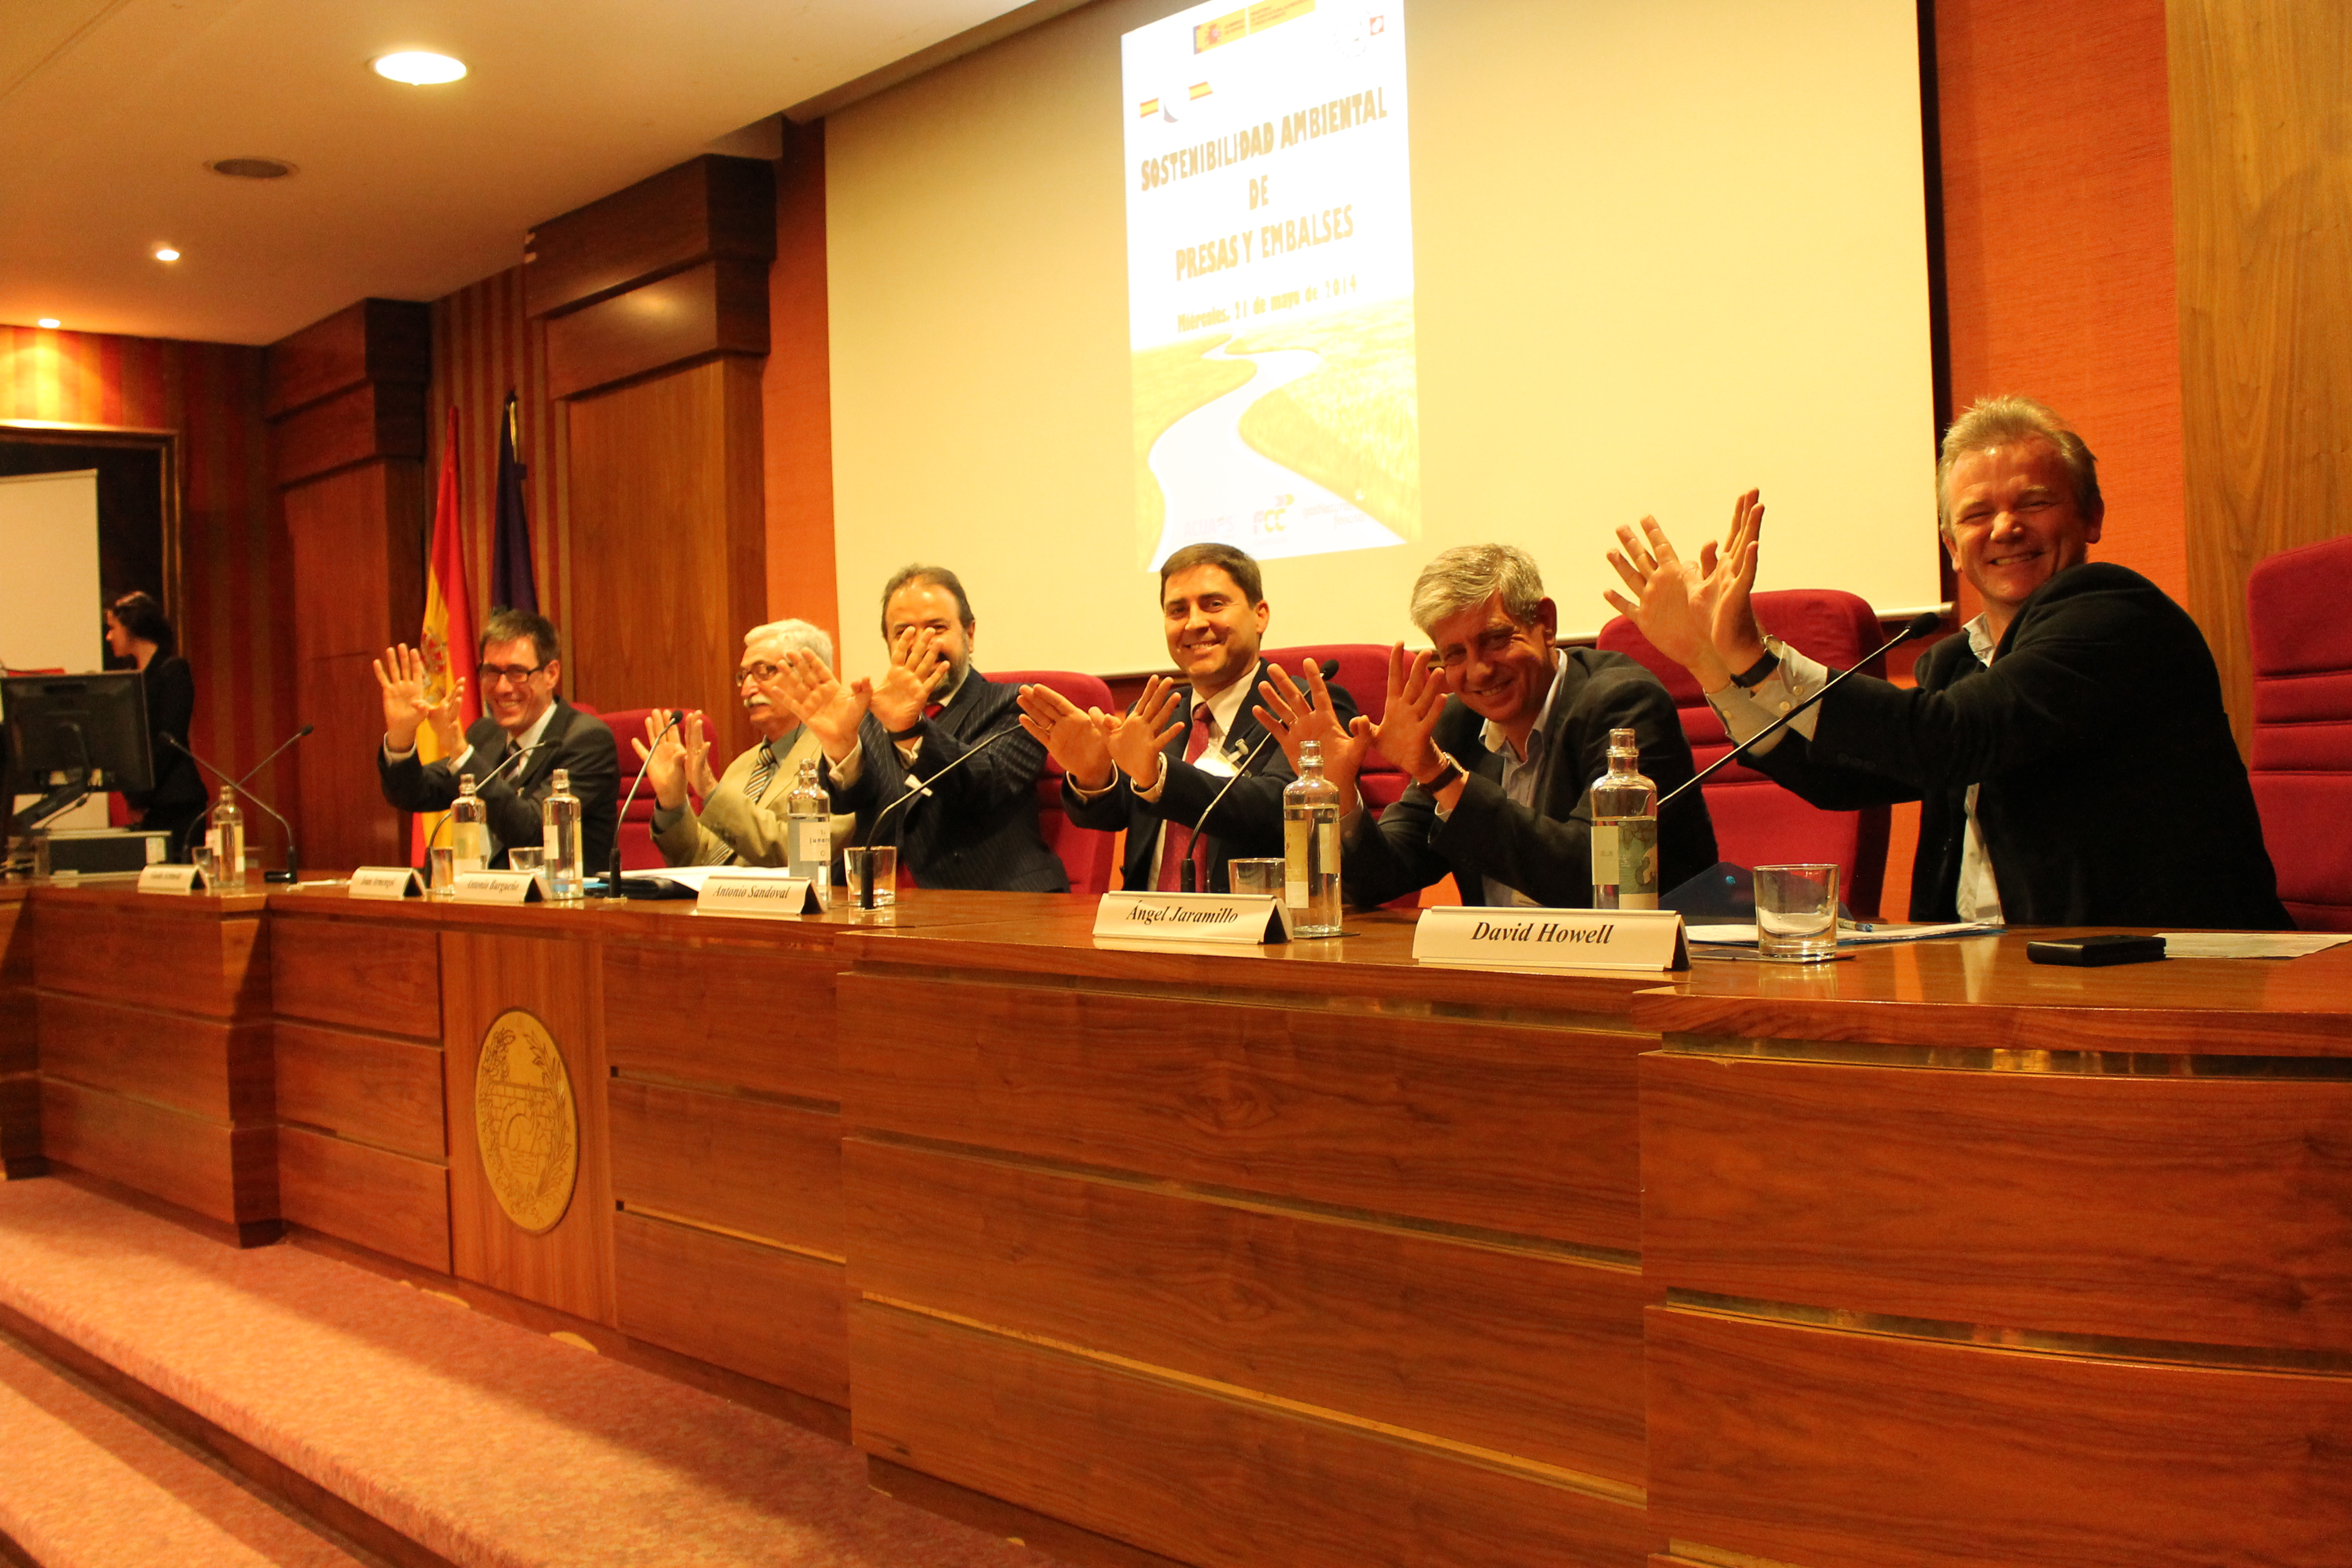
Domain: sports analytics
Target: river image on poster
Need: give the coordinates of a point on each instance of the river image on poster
(1269, 245)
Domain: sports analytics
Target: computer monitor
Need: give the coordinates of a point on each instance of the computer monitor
(68, 735)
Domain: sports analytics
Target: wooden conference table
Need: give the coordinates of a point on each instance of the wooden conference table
(1307, 1255)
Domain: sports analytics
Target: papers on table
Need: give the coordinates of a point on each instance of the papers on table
(2248, 943)
(691, 878)
(1851, 934)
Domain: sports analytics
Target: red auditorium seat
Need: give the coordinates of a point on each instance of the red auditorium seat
(1756, 821)
(1085, 853)
(636, 829)
(1364, 671)
(2301, 634)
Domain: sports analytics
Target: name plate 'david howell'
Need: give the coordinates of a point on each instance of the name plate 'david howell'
(1552, 939)
(757, 897)
(498, 886)
(1246, 920)
(525, 1121)
(386, 882)
(172, 879)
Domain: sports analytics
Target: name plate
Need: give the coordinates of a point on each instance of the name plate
(1247, 919)
(1552, 939)
(386, 882)
(496, 888)
(173, 879)
(758, 898)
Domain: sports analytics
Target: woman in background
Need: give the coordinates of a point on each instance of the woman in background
(137, 629)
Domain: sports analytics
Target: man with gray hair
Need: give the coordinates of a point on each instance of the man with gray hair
(2069, 747)
(1503, 734)
(742, 815)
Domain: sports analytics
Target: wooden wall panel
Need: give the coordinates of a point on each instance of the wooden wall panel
(1513, 1351)
(708, 206)
(219, 1072)
(367, 340)
(386, 1201)
(777, 1316)
(191, 955)
(2263, 198)
(225, 1174)
(365, 974)
(1507, 1128)
(370, 420)
(1224, 1483)
(769, 1170)
(362, 1087)
(2058, 244)
(2194, 1209)
(710, 1018)
(665, 487)
(716, 308)
(796, 394)
(1808, 1445)
(571, 1267)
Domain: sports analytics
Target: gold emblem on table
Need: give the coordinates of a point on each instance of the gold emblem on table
(525, 1121)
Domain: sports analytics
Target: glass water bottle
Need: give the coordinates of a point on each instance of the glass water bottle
(563, 862)
(1624, 831)
(469, 830)
(808, 830)
(227, 837)
(1310, 848)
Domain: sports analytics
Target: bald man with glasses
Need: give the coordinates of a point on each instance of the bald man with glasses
(521, 660)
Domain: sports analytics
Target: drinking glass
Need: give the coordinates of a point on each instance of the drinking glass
(1256, 875)
(1796, 912)
(200, 856)
(441, 871)
(880, 861)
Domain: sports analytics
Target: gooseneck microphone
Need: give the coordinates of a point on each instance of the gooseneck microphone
(286, 875)
(1190, 877)
(613, 872)
(1923, 623)
(917, 787)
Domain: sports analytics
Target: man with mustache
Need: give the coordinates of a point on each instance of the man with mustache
(2069, 747)
(742, 818)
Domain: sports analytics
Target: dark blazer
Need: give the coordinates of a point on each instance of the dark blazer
(2112, 791)
(1545, 852)
(579, 743)
(1248, 820)
(978, 829)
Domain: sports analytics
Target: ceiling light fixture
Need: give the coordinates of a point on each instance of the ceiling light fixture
(167, 254)
(251, 168)
(419, 68)
(51, 322)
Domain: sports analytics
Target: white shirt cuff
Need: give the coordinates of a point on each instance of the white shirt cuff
(847, 770)
(1747, 713)
(1158, 783)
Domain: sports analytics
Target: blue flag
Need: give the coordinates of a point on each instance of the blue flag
(513, 584)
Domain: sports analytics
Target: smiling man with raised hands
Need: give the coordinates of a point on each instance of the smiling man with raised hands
(2069, 747)
(1155, 769)
(1502, 733)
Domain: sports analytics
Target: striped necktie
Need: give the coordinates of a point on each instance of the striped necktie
(761, 772)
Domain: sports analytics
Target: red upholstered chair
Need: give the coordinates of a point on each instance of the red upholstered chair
(1364, 671)
(1087, 855)
(2301, 632)
(636, 829)
(1756, 821)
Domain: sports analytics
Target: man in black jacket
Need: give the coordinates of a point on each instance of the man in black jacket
(521, 660)
(1503, 734)
(977, 826)
(1154, 771)
(2069, 747)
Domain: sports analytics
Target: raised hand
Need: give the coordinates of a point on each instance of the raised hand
(830, 708)
(1416, 697)
(1699, 613)
(1727, 597)
(400, 674)
(696, 742)
(664, 756)
(1137, 739)
(1073, 736)
(1293, 716)
(915, 660)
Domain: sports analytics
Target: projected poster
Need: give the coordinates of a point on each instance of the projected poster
(1269, 247)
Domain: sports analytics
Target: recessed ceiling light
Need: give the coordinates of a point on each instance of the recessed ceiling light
(166, 253)
(49, 321)
(251, 168)
(419, 68)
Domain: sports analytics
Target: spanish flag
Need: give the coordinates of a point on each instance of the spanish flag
(447, 639)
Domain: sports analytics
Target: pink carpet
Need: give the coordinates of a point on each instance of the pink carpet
(489, 1444)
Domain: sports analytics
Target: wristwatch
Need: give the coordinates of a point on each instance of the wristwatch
(1446, 774)
(1757, 674)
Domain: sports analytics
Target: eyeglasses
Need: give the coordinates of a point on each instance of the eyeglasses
(761, 672)
(513, 674)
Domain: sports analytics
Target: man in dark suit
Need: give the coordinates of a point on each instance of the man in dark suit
(1154, 771)
(914, 727)
(1503, 734)
(522, 661)
(2069, 747)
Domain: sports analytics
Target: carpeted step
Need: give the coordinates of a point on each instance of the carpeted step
(482, 1443)
(84, 1484)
